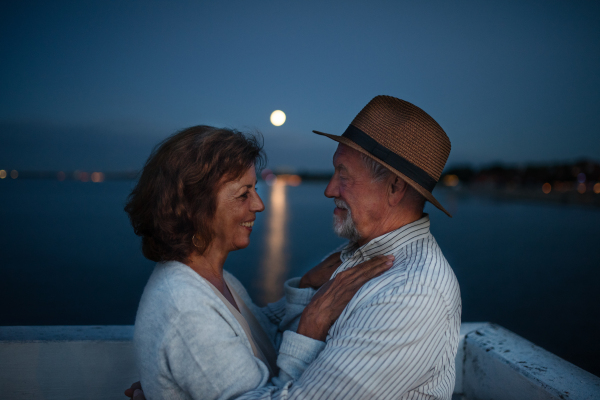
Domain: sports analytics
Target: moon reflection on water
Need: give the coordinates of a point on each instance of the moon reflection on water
(274, 264)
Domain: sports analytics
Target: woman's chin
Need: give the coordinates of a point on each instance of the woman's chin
(242, 245)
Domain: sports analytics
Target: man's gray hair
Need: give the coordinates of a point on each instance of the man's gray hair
(379, 173)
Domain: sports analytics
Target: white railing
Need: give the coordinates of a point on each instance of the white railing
(494, 363)
(97, 362)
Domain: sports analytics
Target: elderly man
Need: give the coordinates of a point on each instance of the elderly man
(398, 336)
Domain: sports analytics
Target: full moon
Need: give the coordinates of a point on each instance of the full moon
(277, 117)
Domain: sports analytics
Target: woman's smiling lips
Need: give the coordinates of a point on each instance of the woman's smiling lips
(248, 225)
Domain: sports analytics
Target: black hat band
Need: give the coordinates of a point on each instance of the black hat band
(394, 160)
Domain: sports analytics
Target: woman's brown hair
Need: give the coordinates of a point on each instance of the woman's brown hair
(175, 197)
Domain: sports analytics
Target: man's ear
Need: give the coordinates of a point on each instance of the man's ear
(396, 191)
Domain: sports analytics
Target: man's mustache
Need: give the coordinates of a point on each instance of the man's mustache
(339, 203)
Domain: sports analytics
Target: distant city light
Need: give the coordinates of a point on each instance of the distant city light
(451, 180)
(597, 188)
(97, 177)
(61, 176)
(292, 180)
(14, 174)
(581, 188)
(581, 177)
(277, 117)
(84, 176)
(546, 188)
(2, 174)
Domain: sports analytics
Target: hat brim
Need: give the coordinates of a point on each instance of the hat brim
(427, 194)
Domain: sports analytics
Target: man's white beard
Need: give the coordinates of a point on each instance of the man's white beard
(345, 227)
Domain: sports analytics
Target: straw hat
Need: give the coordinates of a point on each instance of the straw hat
(404, 139)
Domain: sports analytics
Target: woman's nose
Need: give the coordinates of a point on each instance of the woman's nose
(257, 203)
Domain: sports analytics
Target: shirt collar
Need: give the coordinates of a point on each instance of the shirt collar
(380, 244)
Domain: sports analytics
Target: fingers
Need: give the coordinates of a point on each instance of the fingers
(354, 278)
(345, 285)
(378, 260)
(333, 260)
(331, 299)
(130, 392)
(379, 266)
(322, 289)
(372, 267)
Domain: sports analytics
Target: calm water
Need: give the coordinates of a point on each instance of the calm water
(69, 257)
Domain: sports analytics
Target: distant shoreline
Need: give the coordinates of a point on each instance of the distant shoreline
(528, 194)
(531, 192)
(88, 176)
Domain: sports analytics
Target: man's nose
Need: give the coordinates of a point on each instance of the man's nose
(332, 189)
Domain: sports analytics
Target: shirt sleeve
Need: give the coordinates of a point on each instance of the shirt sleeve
(384, 349)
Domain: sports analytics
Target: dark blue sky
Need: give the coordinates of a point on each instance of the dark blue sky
(94, 85)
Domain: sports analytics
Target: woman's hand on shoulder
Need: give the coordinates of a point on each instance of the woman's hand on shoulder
(319, 275)
(329, 302)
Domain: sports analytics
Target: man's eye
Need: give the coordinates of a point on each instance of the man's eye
(244, 196)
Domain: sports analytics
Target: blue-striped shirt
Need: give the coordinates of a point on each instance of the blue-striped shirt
(398, 336)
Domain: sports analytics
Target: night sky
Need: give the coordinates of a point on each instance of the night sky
(94, 85)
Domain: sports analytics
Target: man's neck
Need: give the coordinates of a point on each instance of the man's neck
(389, 225)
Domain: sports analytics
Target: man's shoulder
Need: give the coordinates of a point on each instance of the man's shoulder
(427, 265)
(419, 265)
(422, 254)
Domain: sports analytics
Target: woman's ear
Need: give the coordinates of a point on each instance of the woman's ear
(397, 190)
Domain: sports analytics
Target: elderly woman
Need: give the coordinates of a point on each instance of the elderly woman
(197, 333)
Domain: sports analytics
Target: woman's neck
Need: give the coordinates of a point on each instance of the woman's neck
(209, 265)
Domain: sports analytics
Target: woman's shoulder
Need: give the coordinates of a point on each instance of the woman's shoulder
(175, 274)
(175, 286)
